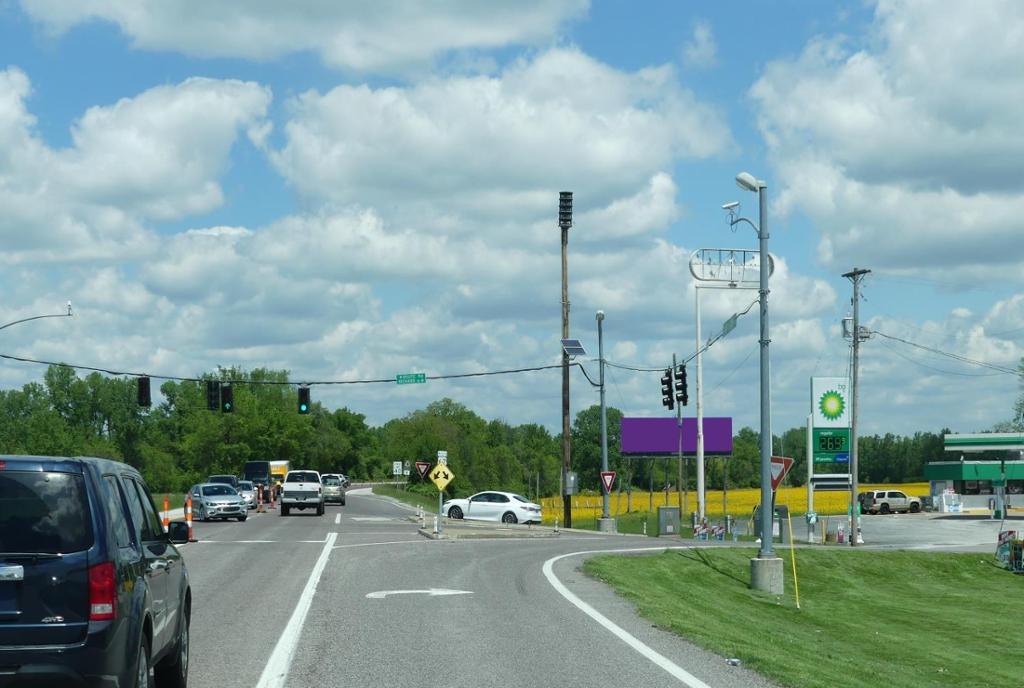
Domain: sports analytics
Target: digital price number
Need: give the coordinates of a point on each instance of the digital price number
(833, 443)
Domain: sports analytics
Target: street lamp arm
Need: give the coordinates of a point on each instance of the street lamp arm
(38, 317)
(736, 220)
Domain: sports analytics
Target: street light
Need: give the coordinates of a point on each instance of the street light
(606, 522)
(39, 317)
(766, 570)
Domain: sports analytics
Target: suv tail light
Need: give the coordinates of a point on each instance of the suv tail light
(102, 592)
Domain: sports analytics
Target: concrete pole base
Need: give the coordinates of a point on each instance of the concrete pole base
(766, 575)
(607, 525)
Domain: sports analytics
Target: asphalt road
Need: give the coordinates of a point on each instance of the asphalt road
(306, 601)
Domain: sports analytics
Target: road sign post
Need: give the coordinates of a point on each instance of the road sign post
(441, 475)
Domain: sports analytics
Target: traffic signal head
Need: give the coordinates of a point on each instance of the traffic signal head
(565, 209)
(304, 400)
(213, 394)
(681, 393)
(144, 398)
(227, 399)
(666, 390)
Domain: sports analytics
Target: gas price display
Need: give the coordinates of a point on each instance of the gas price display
(834, 443)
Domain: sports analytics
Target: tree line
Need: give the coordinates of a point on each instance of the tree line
(180, 441)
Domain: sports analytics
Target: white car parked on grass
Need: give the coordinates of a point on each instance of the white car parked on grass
(506, 507)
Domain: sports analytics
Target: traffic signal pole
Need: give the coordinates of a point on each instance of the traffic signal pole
(564, 223)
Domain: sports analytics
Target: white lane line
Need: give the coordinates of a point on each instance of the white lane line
(276, 670)
(337, 519)
(656, 657)
(375, 544)
(432, 592)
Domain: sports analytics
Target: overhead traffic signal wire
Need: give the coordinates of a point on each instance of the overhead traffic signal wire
(686, 360)
(175, 378)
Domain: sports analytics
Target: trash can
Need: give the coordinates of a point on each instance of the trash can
(780, 523)
(668, 520)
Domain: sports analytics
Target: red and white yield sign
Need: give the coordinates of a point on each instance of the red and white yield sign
(422, 467)
(607, 479)
(780, 467)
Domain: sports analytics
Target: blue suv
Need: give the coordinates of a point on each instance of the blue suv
(93, 592)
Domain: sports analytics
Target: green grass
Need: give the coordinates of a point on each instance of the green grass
(428, 502)
(914, 618)
(177, 499)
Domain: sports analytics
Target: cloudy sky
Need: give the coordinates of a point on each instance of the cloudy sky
(356, 190)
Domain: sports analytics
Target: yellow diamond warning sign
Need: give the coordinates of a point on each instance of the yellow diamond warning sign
(441, 474)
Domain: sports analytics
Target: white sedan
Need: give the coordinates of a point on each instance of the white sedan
(506, 507)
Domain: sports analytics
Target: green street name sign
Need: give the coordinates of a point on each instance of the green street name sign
(411, 378)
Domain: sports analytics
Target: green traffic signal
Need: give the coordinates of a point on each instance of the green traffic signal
(303, 399)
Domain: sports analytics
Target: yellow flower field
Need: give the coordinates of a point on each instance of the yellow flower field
(739, 503)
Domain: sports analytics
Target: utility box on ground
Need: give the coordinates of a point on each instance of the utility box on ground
(668, 520)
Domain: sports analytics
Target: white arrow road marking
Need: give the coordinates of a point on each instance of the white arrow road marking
(674, 670)
(337, 519)
(276, 670)
(433, 592)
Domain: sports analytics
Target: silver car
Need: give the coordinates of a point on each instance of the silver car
(248, 492)
(334, 488)
(217, 500)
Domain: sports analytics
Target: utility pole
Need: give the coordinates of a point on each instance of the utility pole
(565, 222)
(856, 276)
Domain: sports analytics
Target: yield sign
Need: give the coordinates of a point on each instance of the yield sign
(607, 479)
(422, 467)
(780, 467)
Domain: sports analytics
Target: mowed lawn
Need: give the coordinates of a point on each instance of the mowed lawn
(866, 618)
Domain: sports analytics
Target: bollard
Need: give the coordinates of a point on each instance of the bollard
(645, 526)
(435, 525)
(556, 524)
(188, 517)
(167, 513)
(273, 497)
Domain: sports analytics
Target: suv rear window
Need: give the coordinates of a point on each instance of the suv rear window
(44, 513)
(331, 480)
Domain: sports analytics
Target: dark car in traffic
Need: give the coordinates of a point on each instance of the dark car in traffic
(93, 592)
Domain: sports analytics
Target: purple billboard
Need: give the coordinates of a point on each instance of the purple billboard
(650, 436)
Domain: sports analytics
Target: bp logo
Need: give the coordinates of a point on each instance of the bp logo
(832, 405)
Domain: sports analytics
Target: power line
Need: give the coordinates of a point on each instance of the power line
(938, 370)
(957, 357)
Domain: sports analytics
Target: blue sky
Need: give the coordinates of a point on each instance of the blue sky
(353, 192)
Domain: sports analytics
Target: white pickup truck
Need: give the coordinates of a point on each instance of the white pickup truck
(302, 490)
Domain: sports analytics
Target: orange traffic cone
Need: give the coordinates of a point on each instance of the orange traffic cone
(188, 517)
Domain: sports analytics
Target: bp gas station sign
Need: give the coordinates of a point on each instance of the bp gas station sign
(830, 419)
